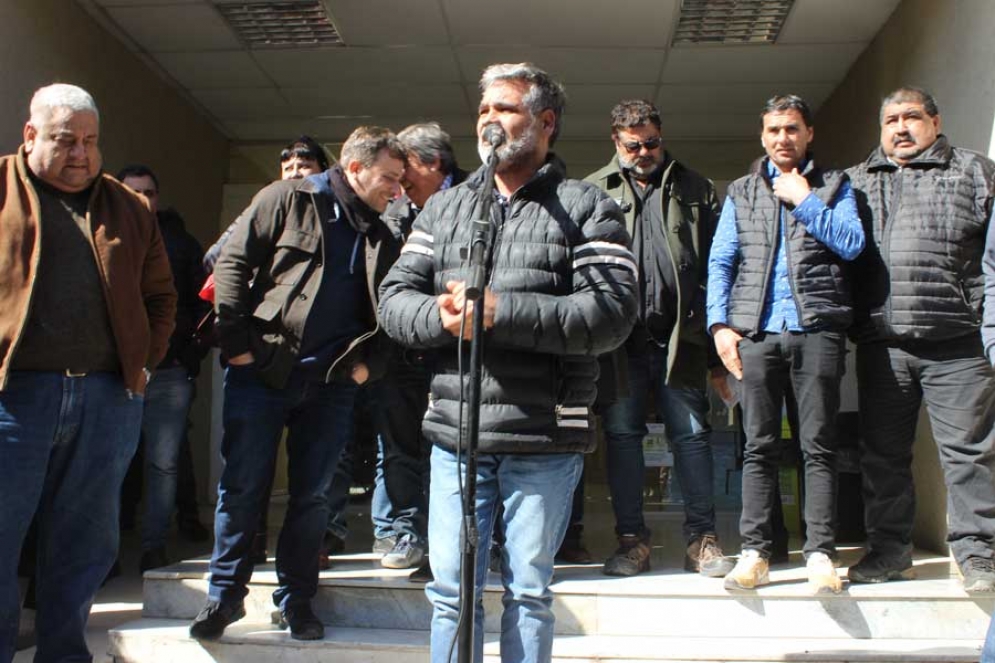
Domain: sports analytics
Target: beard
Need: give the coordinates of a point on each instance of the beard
(514, 152)
(641, 168)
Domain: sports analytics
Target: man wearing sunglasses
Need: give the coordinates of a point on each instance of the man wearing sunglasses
(671, 212)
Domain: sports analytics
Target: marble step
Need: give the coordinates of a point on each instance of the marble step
(166, 641)
(357, 592)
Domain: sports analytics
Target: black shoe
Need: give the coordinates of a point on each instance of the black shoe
(153, 559)
(422, 574)
(573, 550)
(979, 575)
(214, 618)
(193, 531)
(302, 622)
(878, 567)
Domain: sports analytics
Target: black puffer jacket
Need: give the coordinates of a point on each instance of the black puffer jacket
(566, 292)
(920, 275)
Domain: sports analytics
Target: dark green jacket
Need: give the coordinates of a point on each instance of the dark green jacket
(691, 212)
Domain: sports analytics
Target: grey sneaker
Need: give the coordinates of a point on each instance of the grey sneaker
(979, 575)
(406, 553)
(384, 545)
(877, 567)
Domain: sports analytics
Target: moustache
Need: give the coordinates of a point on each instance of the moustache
(901, 138)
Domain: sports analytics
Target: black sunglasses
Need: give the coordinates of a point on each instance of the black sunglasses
(651, 144)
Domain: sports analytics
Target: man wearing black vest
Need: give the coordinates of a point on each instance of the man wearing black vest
(925, 206)
(670, 212)
(778, 308)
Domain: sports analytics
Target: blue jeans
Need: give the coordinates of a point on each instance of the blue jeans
(381, 510)
(164, 423)
(685, 415)
(535, 491)
(988, 651)
(318, 417)
(65, 445)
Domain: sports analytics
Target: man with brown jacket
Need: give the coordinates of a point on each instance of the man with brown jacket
(87, 305)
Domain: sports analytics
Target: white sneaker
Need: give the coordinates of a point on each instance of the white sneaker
(750, 572)
(822, 577)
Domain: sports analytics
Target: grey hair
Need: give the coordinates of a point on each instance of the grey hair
(427, 142)
(61, 95)
(909, 94)
(544, 92)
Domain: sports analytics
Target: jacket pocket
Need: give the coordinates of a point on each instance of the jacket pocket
(294, 255)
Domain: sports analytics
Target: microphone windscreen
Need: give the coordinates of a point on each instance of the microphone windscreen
(494, 135)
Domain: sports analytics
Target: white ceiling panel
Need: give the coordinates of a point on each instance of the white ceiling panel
(219, 69)
(244, 103)
(375, 99)
(331, 66)
(175, 28)
(381, 22)
(821, 22)
(824, 63)
(594, 99)
(139, 3)
(587, 23)
(735, 98)
(569, 65)
(411, 60)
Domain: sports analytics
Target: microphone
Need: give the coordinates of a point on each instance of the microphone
(494, 135)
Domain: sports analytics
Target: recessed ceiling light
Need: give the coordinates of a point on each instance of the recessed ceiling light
(280, 23)
(731, 21)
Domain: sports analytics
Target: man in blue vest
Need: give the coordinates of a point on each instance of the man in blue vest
(778, 308)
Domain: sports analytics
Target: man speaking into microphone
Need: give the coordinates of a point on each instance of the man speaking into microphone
(561, 289)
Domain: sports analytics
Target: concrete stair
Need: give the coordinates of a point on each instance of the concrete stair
(376, 615)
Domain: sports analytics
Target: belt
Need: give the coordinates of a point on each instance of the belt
(70, 373)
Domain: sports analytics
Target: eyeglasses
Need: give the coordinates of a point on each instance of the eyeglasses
(651, 144)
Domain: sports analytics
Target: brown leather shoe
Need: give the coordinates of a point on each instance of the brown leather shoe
(631, 558)
(704, 556)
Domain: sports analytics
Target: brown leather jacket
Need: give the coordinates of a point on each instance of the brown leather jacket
(131, 259)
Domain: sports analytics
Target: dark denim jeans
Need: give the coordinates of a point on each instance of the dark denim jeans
(685, 414)
(164, 425)
(398, 405)
(318, 418)
(957, 384)
(813, 364)
(65, 445)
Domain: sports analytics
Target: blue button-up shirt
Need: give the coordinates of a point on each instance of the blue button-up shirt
(836, 225)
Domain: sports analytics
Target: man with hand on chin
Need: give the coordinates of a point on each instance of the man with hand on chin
(778, 307)
(561, 291)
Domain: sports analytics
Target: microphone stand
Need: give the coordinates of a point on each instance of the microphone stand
(479, 255)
